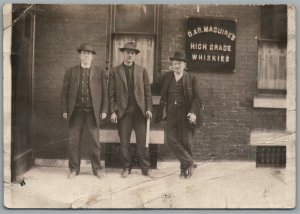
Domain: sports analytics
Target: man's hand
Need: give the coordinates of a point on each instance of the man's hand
(103, 116)
(149, 115)
(113, 118)
(192, 118)
(65, 115)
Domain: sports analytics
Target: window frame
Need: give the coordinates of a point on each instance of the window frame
(129, 32)
(156, 34)
(268, 98)
(261, 40)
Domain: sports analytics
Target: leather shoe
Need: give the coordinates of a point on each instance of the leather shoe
(194, 165)
(147, 173)
(125, 173)
(182, 174)
(189, 172)
(99, 174)
(72, 175)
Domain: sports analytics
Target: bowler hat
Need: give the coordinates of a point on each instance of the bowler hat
(86, 47)
(178, 55)
(130, 46)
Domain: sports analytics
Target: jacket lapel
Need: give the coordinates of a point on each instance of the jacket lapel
(123, 76)
(136, 72)
(77, 75)
(92, 72)
(166, 83)
(185, 82)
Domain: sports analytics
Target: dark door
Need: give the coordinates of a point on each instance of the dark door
(22, 61)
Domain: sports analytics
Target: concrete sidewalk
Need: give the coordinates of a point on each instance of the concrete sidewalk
(213, 185)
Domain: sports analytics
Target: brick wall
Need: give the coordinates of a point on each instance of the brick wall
(59, 31)
(227, 98)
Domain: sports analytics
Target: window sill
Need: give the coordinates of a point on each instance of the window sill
(271, 40)
(111, 136)
(267, 101)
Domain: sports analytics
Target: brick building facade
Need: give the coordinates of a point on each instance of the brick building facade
(229, 115)
(229, 112)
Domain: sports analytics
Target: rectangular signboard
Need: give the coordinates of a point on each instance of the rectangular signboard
(210, 44)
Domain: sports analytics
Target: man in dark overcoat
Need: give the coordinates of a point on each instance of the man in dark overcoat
(180, 96)
(130, 105)
(84, 102)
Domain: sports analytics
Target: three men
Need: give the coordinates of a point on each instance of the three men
(130, 105)
(84, 101)
(180, 96)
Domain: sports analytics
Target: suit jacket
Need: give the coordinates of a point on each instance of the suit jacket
(98, 88)
(191, 92)
(118, 91)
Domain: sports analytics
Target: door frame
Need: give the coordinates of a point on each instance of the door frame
(22, 161)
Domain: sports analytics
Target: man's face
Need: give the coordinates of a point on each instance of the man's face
(178, 66)
(129, 56)
(86, 57)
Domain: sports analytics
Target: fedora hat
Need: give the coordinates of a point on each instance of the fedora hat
(178, 55)
(130, 46)
(86, 47)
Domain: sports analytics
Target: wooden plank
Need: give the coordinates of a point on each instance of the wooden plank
(272, 66)
(111, 136)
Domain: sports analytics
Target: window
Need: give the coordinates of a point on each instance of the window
(135, 18)
(271, 66)
(272, 47)
(144, 43)
(272, 51)
(138, 23)
(273, 22)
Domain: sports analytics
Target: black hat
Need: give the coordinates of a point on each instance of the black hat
(130, 46)
(86, 47)
(178, 55)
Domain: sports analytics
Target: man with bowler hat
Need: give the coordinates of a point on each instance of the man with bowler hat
(130, 106)
(84, 102)
(181, 99)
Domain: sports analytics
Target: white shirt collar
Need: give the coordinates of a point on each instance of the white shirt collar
(178, 76)
(84, 66)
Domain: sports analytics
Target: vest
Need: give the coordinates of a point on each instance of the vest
(84, 98)
(176, 96)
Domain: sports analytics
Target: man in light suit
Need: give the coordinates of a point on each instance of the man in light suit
(84, 101)
(130, 105)
(180, 96)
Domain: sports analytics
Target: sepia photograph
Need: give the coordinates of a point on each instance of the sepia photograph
(149, 106)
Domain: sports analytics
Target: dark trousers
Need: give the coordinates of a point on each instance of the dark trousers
(133, 118)
(76, 124)
(180, 135)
